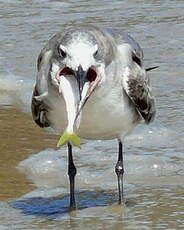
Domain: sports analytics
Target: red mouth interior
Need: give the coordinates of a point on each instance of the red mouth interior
(66, 71)
(91, 74)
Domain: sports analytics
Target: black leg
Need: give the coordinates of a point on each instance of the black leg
(71, 173)
(119, 169)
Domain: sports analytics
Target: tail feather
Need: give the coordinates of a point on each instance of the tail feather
(151, 68)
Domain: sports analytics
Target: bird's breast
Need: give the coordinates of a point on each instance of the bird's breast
(107, 118)
(103, 118)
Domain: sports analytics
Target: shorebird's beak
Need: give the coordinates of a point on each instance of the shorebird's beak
(87, 82)
(82, 79)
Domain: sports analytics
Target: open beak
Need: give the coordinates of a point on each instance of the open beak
(87, 82)
(82, 79)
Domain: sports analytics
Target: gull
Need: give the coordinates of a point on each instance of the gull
(91, 83)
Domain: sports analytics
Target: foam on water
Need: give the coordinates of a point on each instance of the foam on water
(153, 154)
(148, 151)
(15, 91)
(96, 160)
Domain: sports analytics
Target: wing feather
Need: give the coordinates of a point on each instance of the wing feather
(39, 110)
(137, 87)
(136, 82)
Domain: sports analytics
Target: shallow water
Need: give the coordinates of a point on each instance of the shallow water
(33, 181)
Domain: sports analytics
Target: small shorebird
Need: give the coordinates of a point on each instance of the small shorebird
(91, 83)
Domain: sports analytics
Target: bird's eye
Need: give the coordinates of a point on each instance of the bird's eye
(39, 62)
(95, 53)
(62, 53)
(136, 59)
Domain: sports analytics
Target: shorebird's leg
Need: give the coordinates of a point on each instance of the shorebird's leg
(119, 169)
(71, 173)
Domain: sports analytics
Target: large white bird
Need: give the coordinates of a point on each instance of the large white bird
(91, 83)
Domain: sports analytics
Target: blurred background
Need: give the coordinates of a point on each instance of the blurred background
(33, 180)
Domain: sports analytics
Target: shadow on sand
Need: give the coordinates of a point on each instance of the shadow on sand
(57, 206)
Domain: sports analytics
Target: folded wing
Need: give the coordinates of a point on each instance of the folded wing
(135, 80)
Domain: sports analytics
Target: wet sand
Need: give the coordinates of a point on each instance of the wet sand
(36, 197)
(19, 138)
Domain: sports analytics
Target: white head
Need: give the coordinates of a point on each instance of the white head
(81, 55)
(77, 53)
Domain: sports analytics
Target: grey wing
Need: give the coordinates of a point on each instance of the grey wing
(38, 106)
(39, 110)
(136, 82)
(139, 91)
(122, 37)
